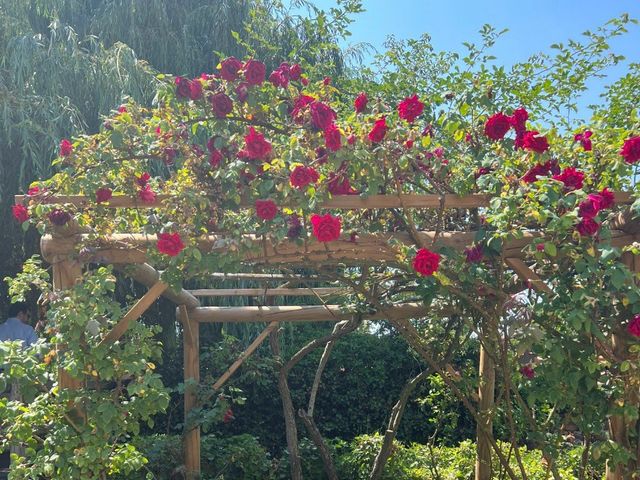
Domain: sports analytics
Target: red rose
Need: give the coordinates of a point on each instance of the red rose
(103, 194)
(59, 217)
(482, 171)
(266, 209)
(631, 150)
(169, 156)
(589, 208)
(279, 79)
(588, 227)
(170, 244)
(146, 194)
(143, 179)
(571, 178)
(215, 158)
(229, 68)
(379, 130)
(351, 139)
(122, 109)
(519, 120)
(321, 115)
(195, 90)
(360, 103)
(474, 254)
(585, 140)
(535, 142)
(326, 228)
(302, 176)
(295, 227)
(228, 416)
(298, 106)
(222, 105)
(256, 147)
(304, 81)
(20, 213)
(538, 170)
(242, 91)
(326, 81)
(338, 184)
(332, 138)
(410, 108)
(254, 72)
(295, 72)
(65, 148)
(497, 126)
(33, 191)
(634, 326)
(183, 87)
(426, 262)
(527, 371)
(605, 198)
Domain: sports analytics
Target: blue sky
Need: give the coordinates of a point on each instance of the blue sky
(533, 25)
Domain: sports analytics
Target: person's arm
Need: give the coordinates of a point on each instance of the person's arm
(31, 337)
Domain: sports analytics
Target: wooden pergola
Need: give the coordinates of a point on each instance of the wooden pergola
(61, 251)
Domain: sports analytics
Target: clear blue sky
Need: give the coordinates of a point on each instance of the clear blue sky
(533, 25)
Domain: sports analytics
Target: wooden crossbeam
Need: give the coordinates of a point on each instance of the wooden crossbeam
(370, 248)
(244, 355)
(294, 313)
(345, 202)
(525, 273)
(267, 292)
(136, 312)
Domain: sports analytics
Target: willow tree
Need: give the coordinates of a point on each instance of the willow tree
(65, 64)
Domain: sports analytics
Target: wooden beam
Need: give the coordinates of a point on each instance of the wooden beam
(267, 292)
(244, 355)
(295, 314)
(149, 276)
(136, 312)
(344, 202)
(525, 273)
(191, 341)
(131, 248)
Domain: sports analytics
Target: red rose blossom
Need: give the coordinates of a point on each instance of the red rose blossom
(295, 227)
(360, 103)
(606, 198)
(59, 217)
(256, 147)
(170, 244)
(103, 194)
(631, 150)
(634, 326)
(122, 109)
(33, 191)
(589, 208)
(410, 108)
(585, 140)
(519, 121)
(299, 104)
(527, 371)
(332, 138)
(146, 194)
(215, 158)
(254, 72)
(497, 126)
(143, 179)
(295, 72)
(20, 213)
(229, 68)
(535, 142)
(587, 227)
(339, 184)
(66, 148)
(302, 176)
(183, 87)
(474, 254)
(379, 130)
(279, 79)
(195, 90)
(242, 92)
(222, 105)
(322, 116)
(571, 177)
(326, 228)
(426, 262)
(266, 209)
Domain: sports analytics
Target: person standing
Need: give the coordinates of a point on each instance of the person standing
(17, 328)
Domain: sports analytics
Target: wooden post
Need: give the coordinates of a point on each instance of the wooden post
(65, 274)
(191, 339)
(486, 397)
(621, 427)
